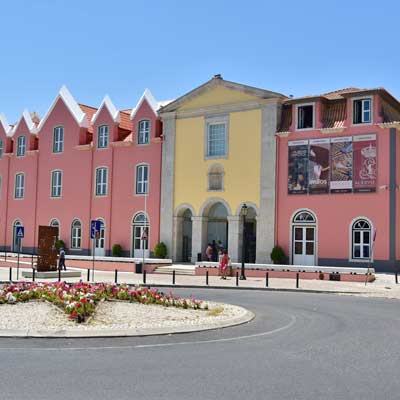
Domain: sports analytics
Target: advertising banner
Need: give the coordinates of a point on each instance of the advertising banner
(318, 166)
(298, 167)
(365, 163)
(341, 164)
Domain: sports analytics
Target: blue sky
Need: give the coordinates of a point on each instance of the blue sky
(121, 47)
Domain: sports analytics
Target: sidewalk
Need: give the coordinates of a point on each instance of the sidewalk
(383, 286)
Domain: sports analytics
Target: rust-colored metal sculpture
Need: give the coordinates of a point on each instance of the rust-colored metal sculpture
(47, 251)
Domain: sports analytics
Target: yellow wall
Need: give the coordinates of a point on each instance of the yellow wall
(242, 167)
(217, 95)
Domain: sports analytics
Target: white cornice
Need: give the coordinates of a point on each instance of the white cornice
(3, 121)
(147, 95)
(67, 98)
(111, 109)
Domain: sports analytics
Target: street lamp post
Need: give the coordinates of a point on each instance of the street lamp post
(243, 212)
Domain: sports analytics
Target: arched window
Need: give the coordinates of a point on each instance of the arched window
(17, 242)
(216, 178)
(102, 137)
(304, 217)
(142, 179)
(55, 223)
(76, 234)
(144, 132)
(361, 239)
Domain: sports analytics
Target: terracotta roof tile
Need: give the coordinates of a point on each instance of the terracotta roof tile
(286, 118)
(334, 114)
(89, 111)
(125, 120)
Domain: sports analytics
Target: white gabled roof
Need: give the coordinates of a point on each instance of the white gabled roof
(3, 121)
(29, 123)
(110, 107)
(71, 104)
(147, 95)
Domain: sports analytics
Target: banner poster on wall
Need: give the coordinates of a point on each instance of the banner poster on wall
(365, 163)
(298, 165)
(318, 166)
(341, 164)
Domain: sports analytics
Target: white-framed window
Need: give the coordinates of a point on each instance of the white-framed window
(21, 146)
(101, 181)
(142, 179)
(216, 178)
(19, 187)
(144, 132)
(58, 139)
(76, 234)
(362, 111)
(216, 140)
(1, 149)
(361, 240)
(305, 116)
(56, 183)
(102, 136)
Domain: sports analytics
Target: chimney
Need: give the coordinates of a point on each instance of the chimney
(217, 76)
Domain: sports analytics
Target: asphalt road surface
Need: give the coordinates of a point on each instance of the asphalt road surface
(300, 346)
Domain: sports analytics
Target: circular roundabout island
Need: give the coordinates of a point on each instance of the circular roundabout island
(106, 310)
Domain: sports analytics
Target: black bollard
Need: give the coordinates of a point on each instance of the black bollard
(116, 276)
(10, 275)
(59, 274)
(297, 280)
(33, 274)
(267, 279)
(173, 277)
(144, 276)
(397, 280)
(32, 260)
(237, 278)
(88, 274)
(207, 278)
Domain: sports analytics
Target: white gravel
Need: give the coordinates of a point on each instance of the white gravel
(39, 316)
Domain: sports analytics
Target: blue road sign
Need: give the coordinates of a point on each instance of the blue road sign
(94, 228)
(19, 231)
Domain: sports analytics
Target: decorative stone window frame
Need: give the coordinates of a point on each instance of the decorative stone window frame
(105, 136)
(215, 120)
(351, 244)
(75, 238)
(22, 187)
(216, 165)
(144, 120)
(137, 167)
(56, 129)
(19, 146)
(52, 174)
(101, 184)
(297, 106)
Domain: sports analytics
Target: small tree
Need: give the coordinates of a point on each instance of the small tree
(160, 250)
(59, 243)
(278, 256)
(116, 250)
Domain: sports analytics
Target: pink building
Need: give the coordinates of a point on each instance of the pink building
(78, 164)
(338, 179)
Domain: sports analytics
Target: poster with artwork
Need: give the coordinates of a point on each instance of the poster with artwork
(365, 163)
(341, 164)
(298, 167)
(318, 166)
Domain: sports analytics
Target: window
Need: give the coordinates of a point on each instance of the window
(304, 217)
(101, 181)
(216, 140)
(142, 179)
(362, 111)
(19, 187)
(361, 240)
(1, 149)
(56, 183)
(76, 234)
(55, 223)
(215, 178)
(21, 146)
(144, 132)
(305, 116)
(58, 139)
(102, 137)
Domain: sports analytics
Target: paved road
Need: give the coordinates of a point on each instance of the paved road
(300, 346)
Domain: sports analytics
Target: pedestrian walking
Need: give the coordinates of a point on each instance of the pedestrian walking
(209, 252)
(214, 251)
(223, 266)
(61, 260)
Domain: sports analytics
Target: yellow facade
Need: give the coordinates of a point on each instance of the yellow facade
(242, 165)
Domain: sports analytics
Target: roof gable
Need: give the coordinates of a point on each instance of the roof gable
(219, 91)
(67, 98)
(107, 103)
(26, 117)
(146, 96)
(4, 123)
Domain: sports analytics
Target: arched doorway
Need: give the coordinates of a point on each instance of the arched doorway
(217, 225)
(304, 238)
(187, 235)
(17, 242)
(251, 235)
(100, 241)
(140, 236)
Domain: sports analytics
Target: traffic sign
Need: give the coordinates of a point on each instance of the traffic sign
(94, 228)
(19, 231)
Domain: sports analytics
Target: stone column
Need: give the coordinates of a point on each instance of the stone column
(177, 239)
(266, 217)
(167, 184)
(235, 226)
(199, 236)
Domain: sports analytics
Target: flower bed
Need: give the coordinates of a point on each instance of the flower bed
(79, 300)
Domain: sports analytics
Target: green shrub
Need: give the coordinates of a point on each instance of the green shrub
(160, 250)
(278, 256)
(116, 250)
(60, 243)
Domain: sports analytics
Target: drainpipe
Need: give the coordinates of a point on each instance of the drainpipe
(36, 199)
(91, 188)
(111, 195)
(277, 147)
